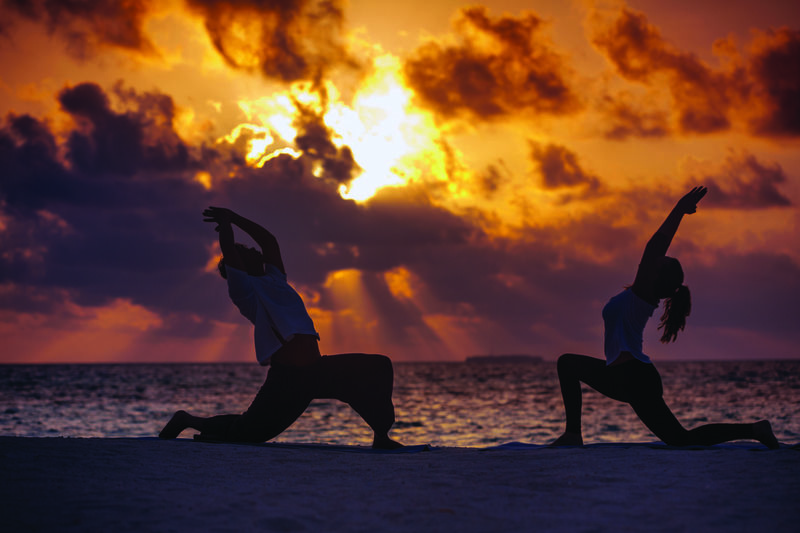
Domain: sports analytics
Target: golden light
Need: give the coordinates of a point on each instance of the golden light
(354, 312)
(124, 314)
(103, 331)
(215, 254)
(399, 281)
(257, 138)
(392, 141)
(204, 179)
(383, 130)
(277, 111)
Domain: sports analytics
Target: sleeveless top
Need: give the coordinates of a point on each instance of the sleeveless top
(272, 305)
(625, 316)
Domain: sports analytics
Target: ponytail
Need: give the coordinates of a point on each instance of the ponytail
(676, 309)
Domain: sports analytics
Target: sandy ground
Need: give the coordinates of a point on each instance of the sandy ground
(62, 484)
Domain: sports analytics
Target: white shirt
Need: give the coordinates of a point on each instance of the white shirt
(625, 316)
(272, 305)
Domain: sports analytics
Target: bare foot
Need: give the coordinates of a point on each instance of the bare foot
(568, 439)
(764, 435)
(176, 424)
(385, 443)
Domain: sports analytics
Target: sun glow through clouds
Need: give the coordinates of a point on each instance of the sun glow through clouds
(387, 135)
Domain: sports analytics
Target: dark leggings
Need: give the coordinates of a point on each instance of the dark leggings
(638, 384)
(364, 381)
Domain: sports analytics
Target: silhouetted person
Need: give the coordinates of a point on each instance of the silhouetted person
(627, 375)
(285, 339)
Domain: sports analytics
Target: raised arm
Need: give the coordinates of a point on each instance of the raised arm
(226, 218)
(227, 244)
(657, 246)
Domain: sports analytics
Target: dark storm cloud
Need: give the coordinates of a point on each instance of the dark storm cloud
(702, 97)
(287, 40)
(105, 215)
(320, 232)
(775, 66)
(499, 67)
(745, 183)
(113, 212)
(122, 143)
(86, 26)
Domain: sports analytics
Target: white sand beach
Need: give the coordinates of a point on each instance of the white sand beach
(74, 484)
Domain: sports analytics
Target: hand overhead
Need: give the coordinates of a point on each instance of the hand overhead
(218, 215)
(688, 204)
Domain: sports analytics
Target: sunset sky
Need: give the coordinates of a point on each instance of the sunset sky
(445, 179)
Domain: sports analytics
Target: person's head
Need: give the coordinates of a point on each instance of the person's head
(676, 296)
(670, 277)
(252, 259)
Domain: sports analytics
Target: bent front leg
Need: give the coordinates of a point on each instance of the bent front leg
(363, 381)
(572, 370)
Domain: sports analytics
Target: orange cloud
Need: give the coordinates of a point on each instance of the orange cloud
(702, 97)
(87, 26)
(627, 118)
(762, 88)
(289, 40)
(743, 182)
(559, 168)
(774, 67)
(498, 67)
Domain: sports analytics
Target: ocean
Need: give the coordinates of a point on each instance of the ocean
(442, 404)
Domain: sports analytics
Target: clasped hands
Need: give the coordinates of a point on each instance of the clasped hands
(218, 215)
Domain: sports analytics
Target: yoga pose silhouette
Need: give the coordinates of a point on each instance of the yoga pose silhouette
(627, 374)
(285, 339)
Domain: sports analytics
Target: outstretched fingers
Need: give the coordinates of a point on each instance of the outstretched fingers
(688, 204)
(698, 193)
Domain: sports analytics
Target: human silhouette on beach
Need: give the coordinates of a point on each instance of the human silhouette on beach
(285, 339)
(627, 374)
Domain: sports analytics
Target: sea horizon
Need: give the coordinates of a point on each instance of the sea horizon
(439, 403)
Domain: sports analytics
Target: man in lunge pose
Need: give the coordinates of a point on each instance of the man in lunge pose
(286, 340)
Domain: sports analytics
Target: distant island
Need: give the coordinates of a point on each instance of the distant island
(510, 358)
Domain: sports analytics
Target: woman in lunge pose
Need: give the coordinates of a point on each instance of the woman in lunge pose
(285, 339)
(627, 374)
